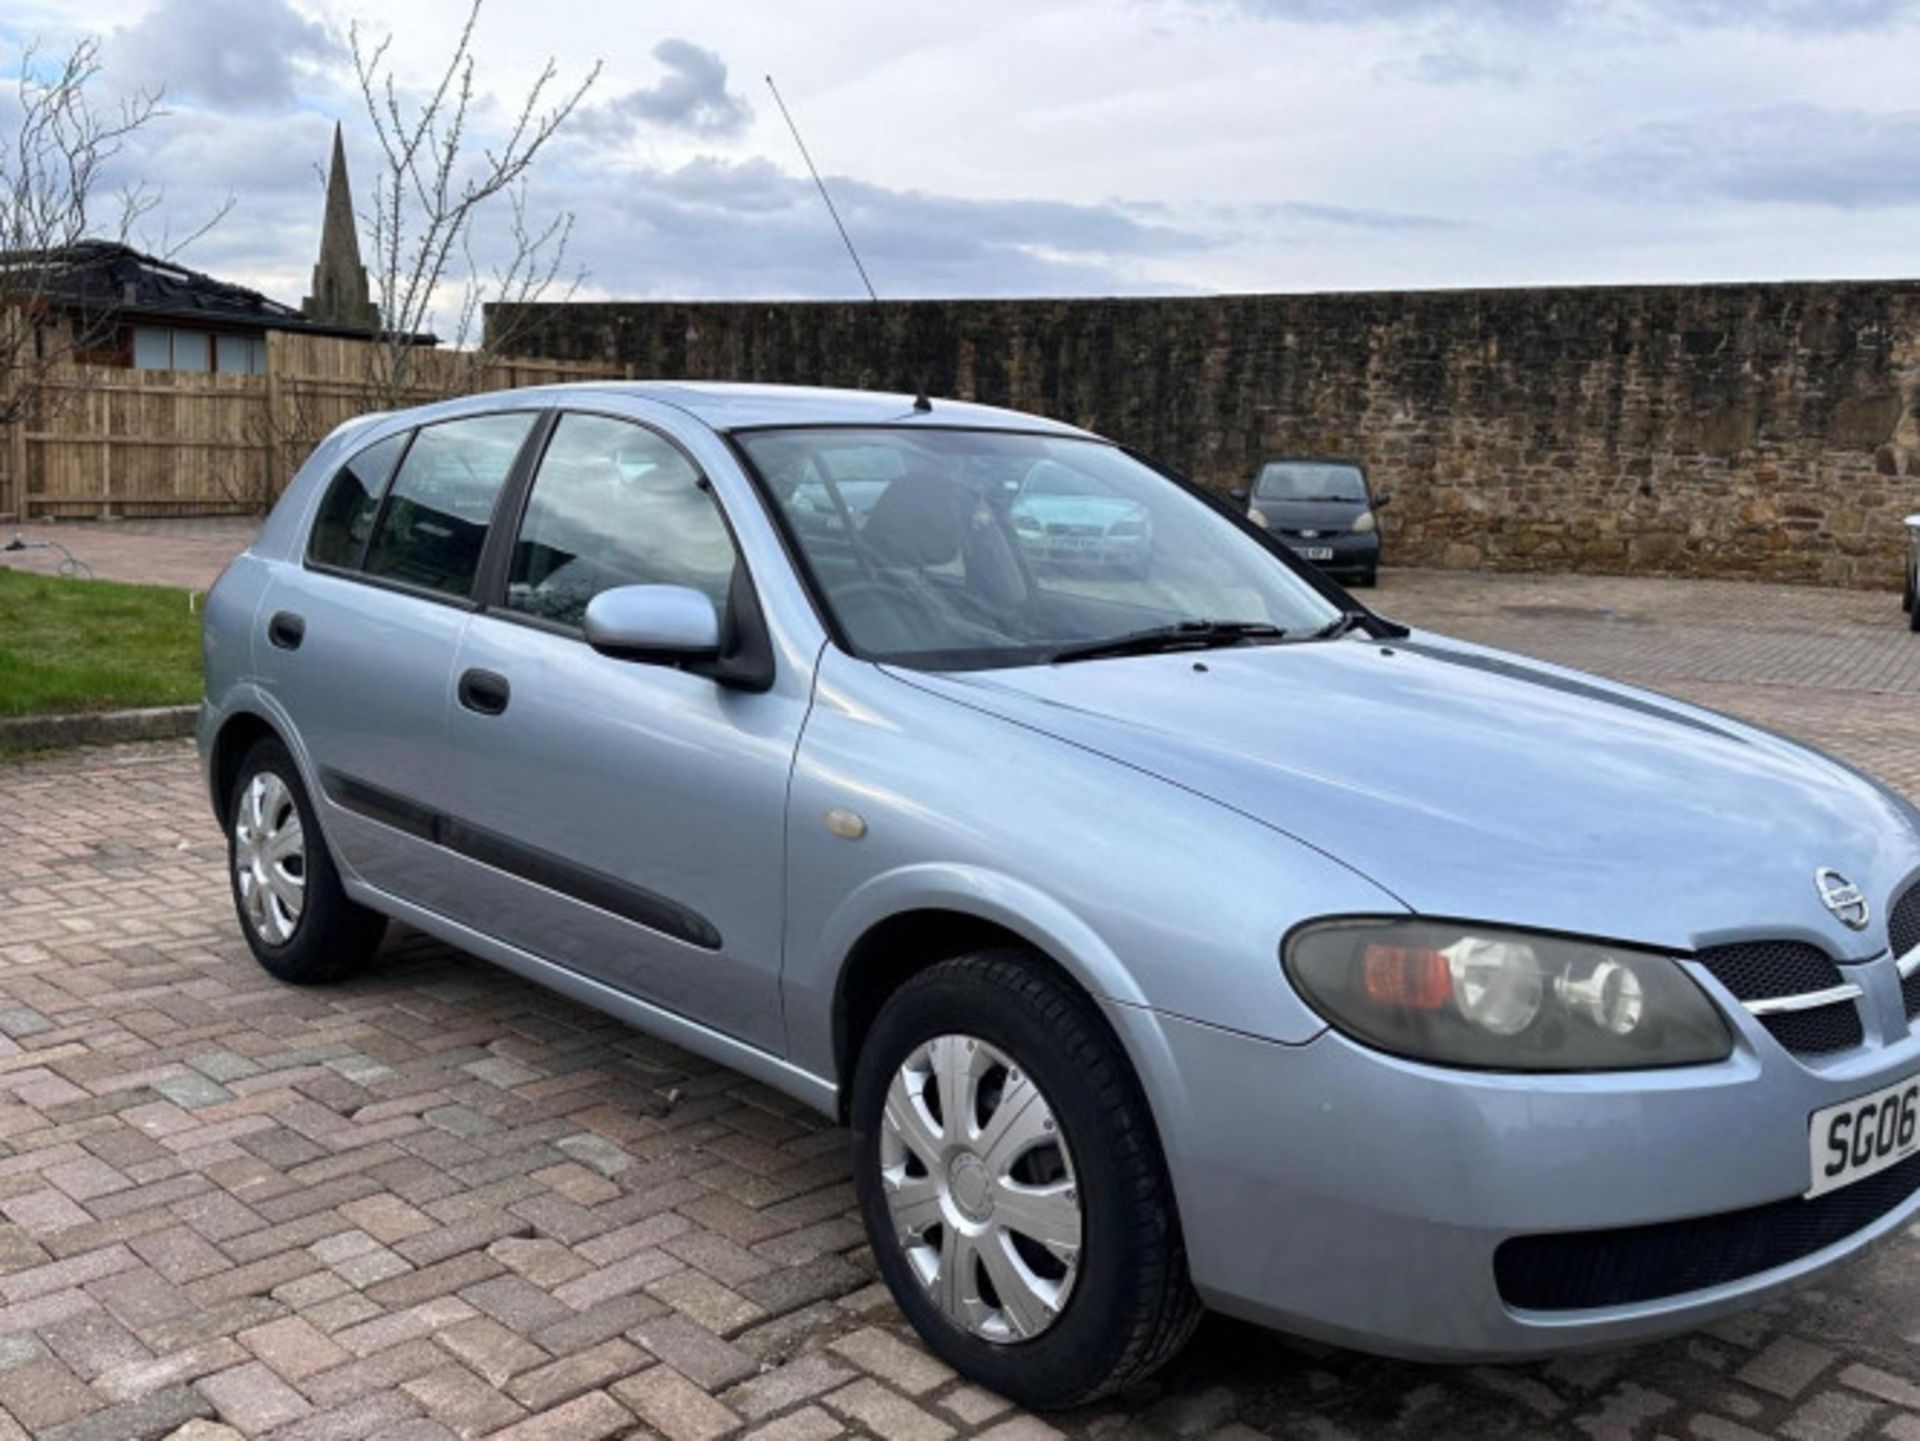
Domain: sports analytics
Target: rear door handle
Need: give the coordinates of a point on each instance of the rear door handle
(484, 692)
(286, 630)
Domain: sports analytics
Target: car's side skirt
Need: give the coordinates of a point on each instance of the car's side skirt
(803, 1086)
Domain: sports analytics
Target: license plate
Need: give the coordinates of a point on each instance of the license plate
(1856, 1138)
(1314, 552)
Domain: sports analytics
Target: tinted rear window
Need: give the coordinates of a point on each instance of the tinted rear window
(346, 515)
(435, 521)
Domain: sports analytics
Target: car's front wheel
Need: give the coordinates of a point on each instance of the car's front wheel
(297, 918)
(1013, 1186)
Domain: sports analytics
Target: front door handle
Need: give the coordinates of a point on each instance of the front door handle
(286, 630)
(484, 692)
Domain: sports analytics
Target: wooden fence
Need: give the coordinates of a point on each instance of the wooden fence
(115, 442)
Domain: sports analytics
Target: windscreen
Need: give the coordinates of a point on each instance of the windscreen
(958, 549)
(1310, 480)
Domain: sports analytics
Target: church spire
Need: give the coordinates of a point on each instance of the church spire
(339, 279)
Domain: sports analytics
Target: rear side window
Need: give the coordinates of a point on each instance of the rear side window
(614, 504)
(346, 515)
(435, 520)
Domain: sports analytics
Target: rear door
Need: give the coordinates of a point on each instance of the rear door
(621, 819)
(358, 641)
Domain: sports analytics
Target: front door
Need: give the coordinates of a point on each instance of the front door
(621, 819)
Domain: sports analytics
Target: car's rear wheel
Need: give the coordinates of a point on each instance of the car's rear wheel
(1013, 1186)
(296, 917)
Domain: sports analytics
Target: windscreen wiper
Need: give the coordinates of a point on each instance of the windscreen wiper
(1377, 626)
(1347, 620)
(1186, 635)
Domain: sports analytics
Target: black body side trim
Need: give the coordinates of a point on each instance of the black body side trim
(541, 868)
(381, 805)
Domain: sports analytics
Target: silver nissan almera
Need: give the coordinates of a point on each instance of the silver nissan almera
(1170, 934)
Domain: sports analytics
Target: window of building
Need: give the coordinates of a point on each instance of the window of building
(171, 347)
(152, 348)
(240, 354)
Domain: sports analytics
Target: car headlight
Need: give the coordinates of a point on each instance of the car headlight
(1478, 996)
(1365, 523)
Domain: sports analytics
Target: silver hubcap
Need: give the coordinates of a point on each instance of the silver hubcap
(980, 1186)
(270, 858)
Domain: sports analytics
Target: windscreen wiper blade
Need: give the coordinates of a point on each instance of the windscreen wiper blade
(1186, 635)
(1347, 620)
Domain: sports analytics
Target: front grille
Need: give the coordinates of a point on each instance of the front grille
(1903, 931)
(1583, 1269)
(1818, 1032)
(1903, 921)
(1762, 970)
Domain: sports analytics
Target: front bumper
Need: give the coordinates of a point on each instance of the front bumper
(1331, 1191)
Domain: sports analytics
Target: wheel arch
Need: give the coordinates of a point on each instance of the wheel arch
(908, 922)
(238, 734)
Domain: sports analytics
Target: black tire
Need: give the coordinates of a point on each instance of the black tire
(333, 935)
(1132, 1306)
(1913, 617)
(1367, 579)
(1906, 592)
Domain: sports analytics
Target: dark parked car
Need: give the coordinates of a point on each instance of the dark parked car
(1912, 588)
(1324, 510)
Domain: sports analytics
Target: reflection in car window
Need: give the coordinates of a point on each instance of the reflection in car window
(614, 504)
(435, 520)
(1310, 480)
(346, 515)
(984, 548)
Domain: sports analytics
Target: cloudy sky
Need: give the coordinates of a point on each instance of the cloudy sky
(1067, 147)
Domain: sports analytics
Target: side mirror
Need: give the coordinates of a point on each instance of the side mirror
(1381, 499)
(1239, 493)
(660, 624)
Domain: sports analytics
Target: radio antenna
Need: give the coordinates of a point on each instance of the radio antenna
(814, 171)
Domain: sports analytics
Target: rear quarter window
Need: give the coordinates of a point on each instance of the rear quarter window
(346, 514)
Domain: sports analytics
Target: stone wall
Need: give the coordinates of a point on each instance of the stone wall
(1768, 431)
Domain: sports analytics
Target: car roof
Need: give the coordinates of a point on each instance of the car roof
(726, 406)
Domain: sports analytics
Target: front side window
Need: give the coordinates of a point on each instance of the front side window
(346, 514)
(953, 549)
(434, 522)
(614, 504)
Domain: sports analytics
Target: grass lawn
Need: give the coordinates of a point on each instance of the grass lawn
(79, 645)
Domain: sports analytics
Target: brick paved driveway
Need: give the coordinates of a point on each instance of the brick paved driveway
(440, 1202)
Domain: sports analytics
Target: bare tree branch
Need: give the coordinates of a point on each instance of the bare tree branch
(53, 169)
(435, 186)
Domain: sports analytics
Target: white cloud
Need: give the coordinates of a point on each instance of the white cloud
(1078, 146)
(230, 54)
(692, 96)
